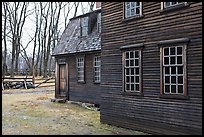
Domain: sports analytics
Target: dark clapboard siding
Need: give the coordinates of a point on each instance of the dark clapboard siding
(84, 92)
(151, 113)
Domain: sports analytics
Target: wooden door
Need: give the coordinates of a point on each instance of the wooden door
(62, 81)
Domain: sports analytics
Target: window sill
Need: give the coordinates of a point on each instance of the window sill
(97, 82)
(174, 8)
(133, 94)
(182, 97)
(132, 18)
(81, 82)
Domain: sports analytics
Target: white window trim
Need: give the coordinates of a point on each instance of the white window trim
(77, 61)
(163, 5)
(125, 13)
(124, 72)
(162, 75)
(99, 76)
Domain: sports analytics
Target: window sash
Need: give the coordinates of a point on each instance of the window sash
(173, 75)
(97, 69)
(132, 71)
(80, 69)
(170, 4)
(132, 9)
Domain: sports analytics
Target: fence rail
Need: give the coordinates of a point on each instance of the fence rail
(27, 82)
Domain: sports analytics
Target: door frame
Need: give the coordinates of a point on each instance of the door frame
(61, 61)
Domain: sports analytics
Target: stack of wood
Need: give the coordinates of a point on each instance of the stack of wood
(17, 85)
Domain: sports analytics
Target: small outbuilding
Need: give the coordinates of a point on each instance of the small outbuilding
(78, 61)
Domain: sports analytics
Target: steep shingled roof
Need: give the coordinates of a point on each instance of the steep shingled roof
(72, 42)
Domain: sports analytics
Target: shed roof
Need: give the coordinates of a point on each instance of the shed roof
(71, 40)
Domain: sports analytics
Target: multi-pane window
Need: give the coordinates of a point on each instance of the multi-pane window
(133, 9)
(173, 70)
(170, 4)
(80, 69)
(99, 23)
(84, 26)
(97, 69)
(132, 71)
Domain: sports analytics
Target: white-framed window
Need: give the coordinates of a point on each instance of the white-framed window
(80, 69)
(132, 9)
(165, 5)
(84, 26)
(99, 23)
(132, 71)
(174, 69)
(97, 69)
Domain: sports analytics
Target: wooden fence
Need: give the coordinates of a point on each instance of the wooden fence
(27, 82)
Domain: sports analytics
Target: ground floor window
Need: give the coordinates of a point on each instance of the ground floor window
(80, 69)
(173, 68)
(97, 69)
(132, 70)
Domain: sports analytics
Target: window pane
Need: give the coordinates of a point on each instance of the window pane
(167, 79)
(132, 87)
(131, 54)
(179, 50)
(180, 79)
(132, 12)
(166, 51)
(179, 59)
(136, 54)
(137, 71)
(127, 79)
(167, 88)
(131, 62)
(180, 70)
(127, 71)
(132, 4)
(167, 4)
(173, 79)
(137, 87)
(173, 88)
(173, 70)
(127, 55)
(127, 63)
(132, 71)
(137, 79)
(166, 60)
(172, 51)
(132, 79)
(167, 70)
(136, 62)
(127, 86)
(180, 88)
(172, 60)
(137, 3)
(137, 11)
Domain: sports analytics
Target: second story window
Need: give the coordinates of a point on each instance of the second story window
(84, 26)
(169, 4)
(133, 9)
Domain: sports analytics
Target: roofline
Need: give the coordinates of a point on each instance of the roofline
(64, 54)
(86, 14)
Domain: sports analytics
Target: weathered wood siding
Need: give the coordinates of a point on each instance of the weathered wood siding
(151, 113)
(84, 92)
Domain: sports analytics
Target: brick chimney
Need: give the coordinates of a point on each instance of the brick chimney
(98, 5)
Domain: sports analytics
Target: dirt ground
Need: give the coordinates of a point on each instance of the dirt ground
(31, 112)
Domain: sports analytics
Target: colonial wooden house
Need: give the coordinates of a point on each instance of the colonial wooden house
(151, 76)
(78, 59)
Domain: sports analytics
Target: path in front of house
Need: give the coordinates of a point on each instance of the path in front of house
(30, 112)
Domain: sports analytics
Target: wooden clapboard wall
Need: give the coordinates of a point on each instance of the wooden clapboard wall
(151, 113)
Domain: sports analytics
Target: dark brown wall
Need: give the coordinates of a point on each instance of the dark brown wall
(151, 113)
(84, 92)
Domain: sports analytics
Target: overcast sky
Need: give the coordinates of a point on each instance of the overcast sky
(29, 26)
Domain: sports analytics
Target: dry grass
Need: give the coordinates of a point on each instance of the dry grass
(34, 114)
